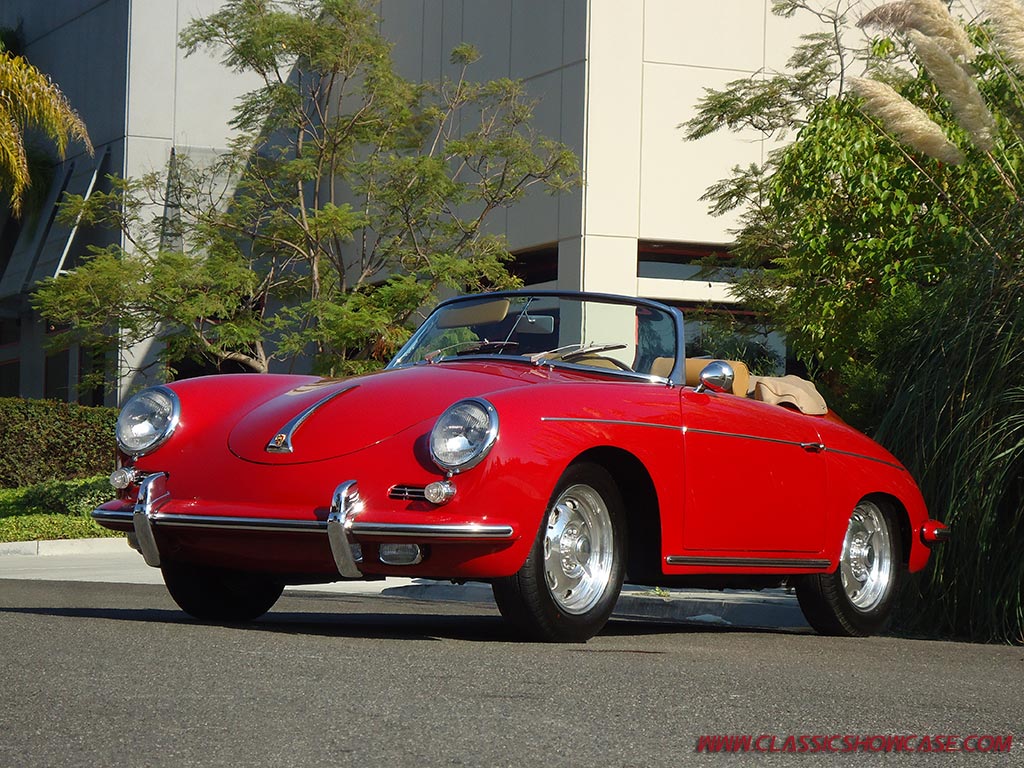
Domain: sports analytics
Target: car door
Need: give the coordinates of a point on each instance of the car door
(755, 476)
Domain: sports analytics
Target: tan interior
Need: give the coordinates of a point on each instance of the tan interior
(662, 366)
(787, 391)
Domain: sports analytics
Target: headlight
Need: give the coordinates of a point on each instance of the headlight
(147, 420)
(464, 434)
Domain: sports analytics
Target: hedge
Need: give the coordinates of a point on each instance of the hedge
(49, 440)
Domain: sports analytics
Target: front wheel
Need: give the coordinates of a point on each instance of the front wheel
(568, 586)
(856, 599)
(220, 595)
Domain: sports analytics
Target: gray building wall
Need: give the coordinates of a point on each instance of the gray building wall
(613, 80)
(119, 64)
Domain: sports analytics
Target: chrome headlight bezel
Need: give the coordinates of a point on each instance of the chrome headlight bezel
(481, 442)
(170, 406)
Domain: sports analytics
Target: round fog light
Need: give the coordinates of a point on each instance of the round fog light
(122, 477)
(400, 554)
(440, 492)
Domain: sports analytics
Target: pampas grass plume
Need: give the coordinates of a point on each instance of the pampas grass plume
(957, 86)
(1007, 17)
(929, 17)
(901, 118)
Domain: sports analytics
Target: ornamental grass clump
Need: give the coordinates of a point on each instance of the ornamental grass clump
(956, 370)
(899, 280)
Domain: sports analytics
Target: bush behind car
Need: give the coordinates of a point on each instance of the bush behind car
(44, 440)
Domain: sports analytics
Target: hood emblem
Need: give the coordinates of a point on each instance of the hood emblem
(282, 441)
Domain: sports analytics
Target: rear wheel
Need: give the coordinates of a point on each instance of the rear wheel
(856, 599)
(218, 594)
(568, 586)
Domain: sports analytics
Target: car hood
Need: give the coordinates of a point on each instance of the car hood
(325, 418)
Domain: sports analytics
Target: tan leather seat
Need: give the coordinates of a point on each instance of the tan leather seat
(741, 374)
(662, 366)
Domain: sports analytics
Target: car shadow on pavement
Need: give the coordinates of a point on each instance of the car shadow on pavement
(413, 621)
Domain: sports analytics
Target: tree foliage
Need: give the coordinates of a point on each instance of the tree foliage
(349, 198)
(898, 277)
(29, 100)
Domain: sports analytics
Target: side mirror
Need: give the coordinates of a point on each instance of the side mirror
(717, 376)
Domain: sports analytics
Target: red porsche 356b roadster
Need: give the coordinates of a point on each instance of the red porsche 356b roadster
(553, 444)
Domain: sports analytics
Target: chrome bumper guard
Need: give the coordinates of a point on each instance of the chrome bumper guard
(345, 505)
(341, 522)
(152, 492)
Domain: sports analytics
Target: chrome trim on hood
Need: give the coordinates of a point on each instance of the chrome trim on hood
(282, 441)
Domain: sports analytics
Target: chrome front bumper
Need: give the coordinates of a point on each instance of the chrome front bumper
(346, 506)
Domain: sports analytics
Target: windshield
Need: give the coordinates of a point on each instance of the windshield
(543, 328)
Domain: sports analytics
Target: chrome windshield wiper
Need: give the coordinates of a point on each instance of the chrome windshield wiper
(468, 348)
(570, 352)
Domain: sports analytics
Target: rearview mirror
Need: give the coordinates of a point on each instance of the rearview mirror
(542, 324)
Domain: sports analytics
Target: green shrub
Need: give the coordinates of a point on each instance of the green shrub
(49, 440)
(76, 498)
(48, 527)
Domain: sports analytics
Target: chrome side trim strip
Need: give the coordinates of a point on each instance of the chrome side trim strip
(610, 421)
(427, 531)
(867, 458)
(809, 447)
(746, 437)
(282, 441)
(345, 506)
(746, 562)
(152, 492)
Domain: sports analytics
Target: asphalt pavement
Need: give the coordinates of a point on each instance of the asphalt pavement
(95, 674)
(112, 561)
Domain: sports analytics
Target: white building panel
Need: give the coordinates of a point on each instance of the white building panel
(614, 107)
(152, 55)
(675, 173)
(725, 34)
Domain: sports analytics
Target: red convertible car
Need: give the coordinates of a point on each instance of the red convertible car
(553, 444)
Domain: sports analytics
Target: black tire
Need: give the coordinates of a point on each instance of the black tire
(568, 598)
(220, 595)
(856, 599)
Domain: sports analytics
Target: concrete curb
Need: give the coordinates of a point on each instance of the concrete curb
(64, 547)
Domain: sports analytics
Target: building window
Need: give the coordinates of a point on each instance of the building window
(683, 261)
(10, 331)
(10, 373)
(91, 376)
(55, 377)
(536, 266)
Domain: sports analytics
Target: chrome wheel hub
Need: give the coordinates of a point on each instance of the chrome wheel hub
(866, 564)
(578, 549)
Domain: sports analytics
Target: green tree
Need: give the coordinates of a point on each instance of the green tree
(888, 238)
(349, 199)
(30, 100)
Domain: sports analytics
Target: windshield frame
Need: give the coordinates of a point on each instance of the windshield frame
(676, 377)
